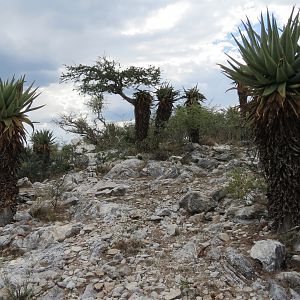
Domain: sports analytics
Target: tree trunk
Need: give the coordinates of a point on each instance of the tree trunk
(8, 195)
(279, 151)
(194, 135)
(10, 152)
(243, 95)
(163, 114)
(142, 114)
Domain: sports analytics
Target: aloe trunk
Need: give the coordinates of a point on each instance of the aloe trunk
(142, 114)
(9, 164)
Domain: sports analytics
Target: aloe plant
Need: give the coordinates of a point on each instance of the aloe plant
(271, 72)
(43, 140)
(15, 103)
(166, 96)
(193, 98)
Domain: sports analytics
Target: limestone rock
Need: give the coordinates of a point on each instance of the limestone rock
(207, 163)
(22, 216)
(5, 240)
(24, 183)
(125, 169)
(251, 212)
(240, 263)
(270, 253)
(277, 292)
(173, 294)
(195, 202)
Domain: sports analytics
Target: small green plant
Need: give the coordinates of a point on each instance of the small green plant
(16, 290)
(48, 206)
(56, 190)
(242, 182)
(184, 285)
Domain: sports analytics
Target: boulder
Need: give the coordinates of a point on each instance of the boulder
(208, 163)
(46, 236)
(24, 183)
(153, 169)
(110, 188)
(219, 194)
(187, 252)
(5, 240)
(195, 202)
(251, 212)
(125, 169)
(270, 253)
(22, 216)
(240, 263)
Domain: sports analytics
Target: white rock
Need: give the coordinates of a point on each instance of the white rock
(173, 294)
(270, 253)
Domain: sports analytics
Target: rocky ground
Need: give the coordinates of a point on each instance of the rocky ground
(147, 230)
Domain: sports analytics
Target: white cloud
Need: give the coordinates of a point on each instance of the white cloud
(163, 19)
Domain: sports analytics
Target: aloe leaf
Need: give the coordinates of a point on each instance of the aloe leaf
(282, 89)
(281, 76)
(7, 122)
(295, 78)
(269, 89)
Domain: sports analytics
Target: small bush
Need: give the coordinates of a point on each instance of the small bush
(18, 291)
(242, 182)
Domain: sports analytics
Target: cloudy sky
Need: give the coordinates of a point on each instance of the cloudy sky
(186, 38)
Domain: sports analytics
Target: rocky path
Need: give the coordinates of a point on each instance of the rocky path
(148, 230)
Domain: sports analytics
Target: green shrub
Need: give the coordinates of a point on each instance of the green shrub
(242, 182)
(220, 126)
(60, 162)
(116, 137)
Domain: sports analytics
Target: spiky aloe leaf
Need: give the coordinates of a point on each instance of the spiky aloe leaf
(15, 103)
(271, 58)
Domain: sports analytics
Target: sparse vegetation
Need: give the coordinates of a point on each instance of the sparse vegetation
(242, 182)
(18, 290)
(48, 204)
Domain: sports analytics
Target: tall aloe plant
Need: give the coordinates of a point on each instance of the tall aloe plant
(166, 97)
(193, 98)
(271, 71)
(15, 103)
(43, 140)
